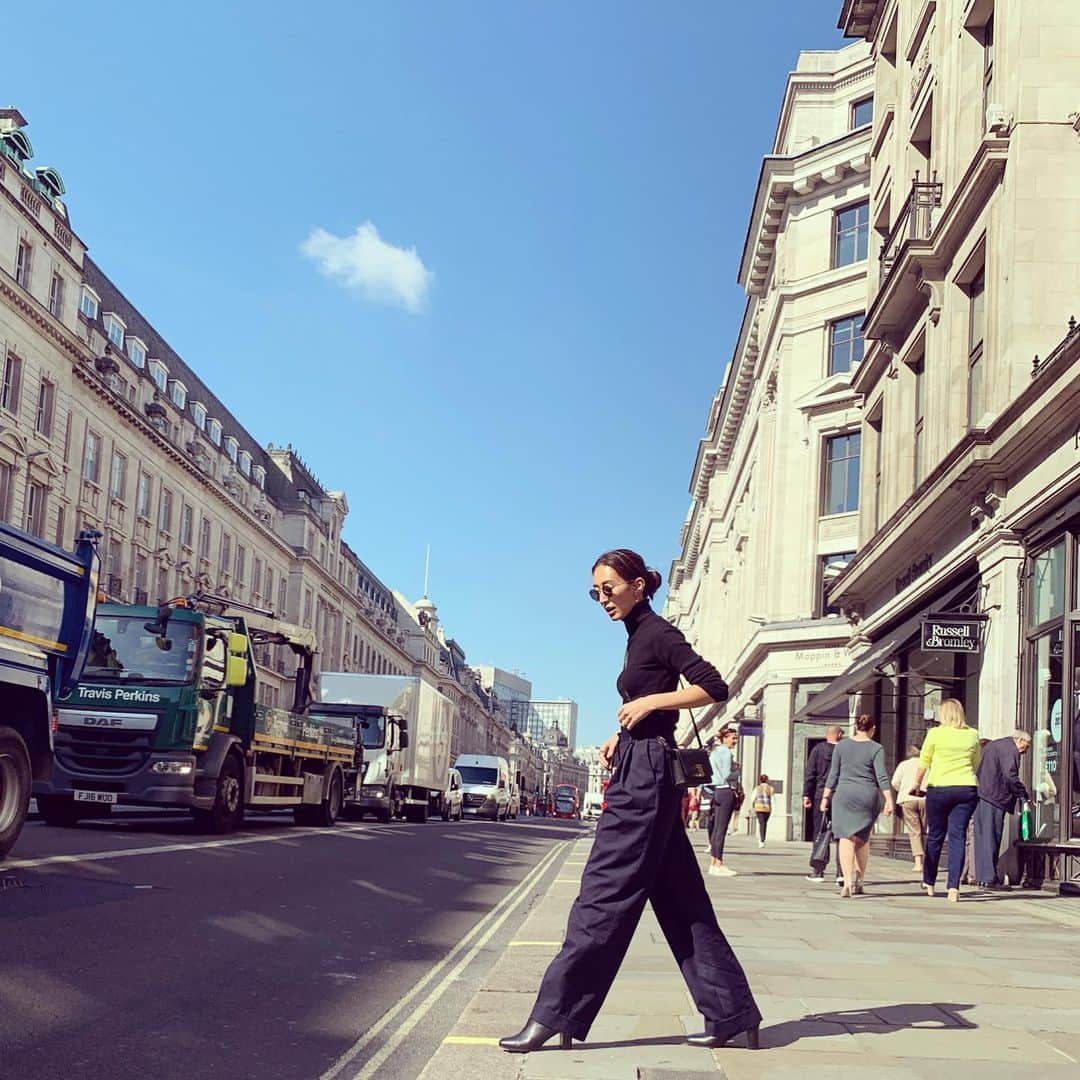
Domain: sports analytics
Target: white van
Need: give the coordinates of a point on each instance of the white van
(485, 785)
(594, 804)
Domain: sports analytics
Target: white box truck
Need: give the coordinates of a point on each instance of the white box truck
(405, 729)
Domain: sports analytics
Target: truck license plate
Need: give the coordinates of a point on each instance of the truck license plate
(94, 796)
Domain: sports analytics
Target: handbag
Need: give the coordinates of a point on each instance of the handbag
(690, 765)
(822, 849)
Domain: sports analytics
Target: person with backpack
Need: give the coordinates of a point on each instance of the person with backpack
(761, 804)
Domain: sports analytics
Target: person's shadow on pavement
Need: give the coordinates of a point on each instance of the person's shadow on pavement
(873, 1020)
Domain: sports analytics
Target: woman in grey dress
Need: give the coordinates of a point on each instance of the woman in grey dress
(860, 783)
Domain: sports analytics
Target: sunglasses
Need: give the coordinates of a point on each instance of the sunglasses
(607, 590)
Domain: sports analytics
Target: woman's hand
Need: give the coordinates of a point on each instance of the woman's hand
(889, 809)
(607, 751)
(824, 805)
(633, 712)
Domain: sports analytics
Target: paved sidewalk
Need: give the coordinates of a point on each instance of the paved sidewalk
(889, 985)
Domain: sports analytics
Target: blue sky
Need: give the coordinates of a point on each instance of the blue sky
(504, 338)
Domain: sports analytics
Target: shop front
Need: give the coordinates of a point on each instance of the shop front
(1051, 686)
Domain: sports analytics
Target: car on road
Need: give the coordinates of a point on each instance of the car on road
(485, 785)
(594, 805)
(452, 799)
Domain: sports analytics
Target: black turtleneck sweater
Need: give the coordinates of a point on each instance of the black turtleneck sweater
(656, 655)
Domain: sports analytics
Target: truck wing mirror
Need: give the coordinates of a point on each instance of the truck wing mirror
(403, 737)
(236, 671)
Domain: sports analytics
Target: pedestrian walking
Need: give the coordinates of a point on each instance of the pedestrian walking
(817, 772)
(725, 798)
(695, 809)
(947, 762)
(855, 789)
(640, 852)
(1000, 787)
(761, 804)
(912, 807)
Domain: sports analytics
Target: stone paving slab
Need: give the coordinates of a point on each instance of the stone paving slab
(890, 985)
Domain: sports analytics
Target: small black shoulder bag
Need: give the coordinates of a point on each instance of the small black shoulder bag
(690, 766)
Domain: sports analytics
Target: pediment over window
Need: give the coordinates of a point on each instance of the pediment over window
(833, 393)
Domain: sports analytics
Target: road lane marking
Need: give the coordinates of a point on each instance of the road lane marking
(165, 849)
(471, 1040)
(519, 944)
(483, 932)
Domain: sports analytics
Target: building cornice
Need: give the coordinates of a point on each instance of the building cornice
(859, 18)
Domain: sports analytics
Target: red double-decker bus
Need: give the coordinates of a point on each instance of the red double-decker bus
(567, 802)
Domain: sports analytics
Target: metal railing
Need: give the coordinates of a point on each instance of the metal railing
(915, 221)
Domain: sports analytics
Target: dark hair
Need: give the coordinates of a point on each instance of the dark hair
(762, 779)
(865, 723)
(630, 566)
(725, 731)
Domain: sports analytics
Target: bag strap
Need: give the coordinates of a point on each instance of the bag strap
(693, 720)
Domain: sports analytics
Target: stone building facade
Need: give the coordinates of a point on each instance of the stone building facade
(774, 511)
(103, 426)
(969, 512)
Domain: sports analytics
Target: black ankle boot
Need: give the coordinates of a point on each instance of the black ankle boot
(531, 1037)
(714, 1042)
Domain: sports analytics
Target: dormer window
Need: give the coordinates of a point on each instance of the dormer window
(231, 447)
(244, 461)
(198, 413)
(259, 474)
(178, 394)
(213, 429)
(136, 351)
(114, 330)
(88, 303)
(160, 374)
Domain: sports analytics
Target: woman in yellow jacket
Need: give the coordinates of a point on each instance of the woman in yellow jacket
(950, 754)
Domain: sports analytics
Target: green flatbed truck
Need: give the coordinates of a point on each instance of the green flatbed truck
(166, 715)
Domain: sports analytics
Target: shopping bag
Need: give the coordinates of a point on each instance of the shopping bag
(822, 849)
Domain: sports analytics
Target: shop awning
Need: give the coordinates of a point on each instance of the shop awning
(825, 706)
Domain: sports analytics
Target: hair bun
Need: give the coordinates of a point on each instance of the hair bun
(653, 581)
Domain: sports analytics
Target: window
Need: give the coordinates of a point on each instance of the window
(308, 603)
(178, 394)
(36, 496)
(60, 539)
(160, 374)
(269, 584)
(163, 584)
(256, 577)
(259, 474)
(225, 554)
(88, 303)
(213, 429)
(241, 564)
(23, 256)
(114, 330)
(92, 458)
(1048, 585)
(7, 490)
(187, 525)
(164, 517)
(282, 598)
(862, 112)
(245, 462)
(918, 450)
(118, 477)
(988, 66)
(9, 396)
(851, 234)
(46, 403)
(231, 447)
(136, 352)
(976, 339)
(842, 473)
(204, 539)
(142, 496)
(198, 413)
(56, 295)
(845, 344)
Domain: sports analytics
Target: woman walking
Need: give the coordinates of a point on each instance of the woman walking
(856, 784)
(761, 803)
(641, 852)
(912, 807)
(695, 809)
(725, 777)
(950, 755)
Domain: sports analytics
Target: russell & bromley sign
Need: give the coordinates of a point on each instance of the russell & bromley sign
(944, 632)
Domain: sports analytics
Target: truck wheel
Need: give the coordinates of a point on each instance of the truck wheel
(15, 782)
(58, 810)
(227, 812)
(324, 815)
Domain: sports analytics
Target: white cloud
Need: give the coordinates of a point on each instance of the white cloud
(380, 272)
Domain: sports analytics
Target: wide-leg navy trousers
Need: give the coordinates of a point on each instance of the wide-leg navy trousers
(641, 852)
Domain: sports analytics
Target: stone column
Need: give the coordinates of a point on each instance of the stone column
(1000, 566)
(776, 756)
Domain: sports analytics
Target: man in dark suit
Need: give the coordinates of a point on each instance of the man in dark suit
(999, 789)
(817, 771)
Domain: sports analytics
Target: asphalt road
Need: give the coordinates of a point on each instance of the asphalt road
(133, 947)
